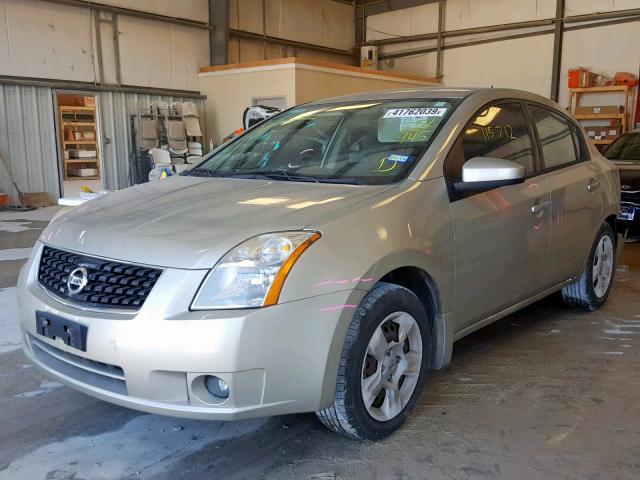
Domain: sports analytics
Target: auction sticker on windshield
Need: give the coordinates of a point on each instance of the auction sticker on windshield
(415, 112)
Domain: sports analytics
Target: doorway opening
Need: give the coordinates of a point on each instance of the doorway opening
(79, 139)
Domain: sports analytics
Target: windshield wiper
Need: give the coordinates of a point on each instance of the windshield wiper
(276, 175)
(202, 172)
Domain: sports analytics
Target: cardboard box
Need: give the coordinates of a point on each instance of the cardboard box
(89, 101)
(600, 109)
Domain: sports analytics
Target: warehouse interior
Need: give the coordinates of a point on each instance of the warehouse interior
(101, 99)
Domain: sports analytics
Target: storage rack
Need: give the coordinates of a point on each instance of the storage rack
(79, 119)
(575, 94)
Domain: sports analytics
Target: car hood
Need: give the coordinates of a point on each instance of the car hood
(190, 222)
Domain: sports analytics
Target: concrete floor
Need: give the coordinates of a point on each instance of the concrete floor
(547, 393)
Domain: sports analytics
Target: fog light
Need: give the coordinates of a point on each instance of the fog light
(216, 386)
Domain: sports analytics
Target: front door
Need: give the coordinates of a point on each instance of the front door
(501, 235)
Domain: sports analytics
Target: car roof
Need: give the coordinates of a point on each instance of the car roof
(432, 92)
(421, 92)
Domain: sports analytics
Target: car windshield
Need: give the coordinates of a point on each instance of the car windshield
(373, 142)
(626, 147)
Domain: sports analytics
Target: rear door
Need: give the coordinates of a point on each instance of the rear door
(501, 235)
(574, 182)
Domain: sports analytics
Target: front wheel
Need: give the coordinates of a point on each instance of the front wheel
(592, 288)
(382, 366)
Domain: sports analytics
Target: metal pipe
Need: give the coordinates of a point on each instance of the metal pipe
(546, 31)
(96, 22)
(508, 26)
(602, 15)
(557, 50)
(290, 43)
(264, 29)
(441, 6)
(90, 86)
(464, 31)
(116, 47)
(132, 13)
(417, 51)
(603, 24)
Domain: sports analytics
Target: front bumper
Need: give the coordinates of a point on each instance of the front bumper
(276, 360)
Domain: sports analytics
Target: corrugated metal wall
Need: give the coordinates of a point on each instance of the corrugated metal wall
(29, 146)
(28, 142)
(115, 111)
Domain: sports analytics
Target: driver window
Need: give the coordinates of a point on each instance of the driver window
(498, 131)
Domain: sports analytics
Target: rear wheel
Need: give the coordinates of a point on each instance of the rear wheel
(382, 366)
(594, 284)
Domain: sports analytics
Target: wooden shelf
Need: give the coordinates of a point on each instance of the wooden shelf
(599, 116)
(83, 119)
(70, 108)
(602, 142)
(79, 124)
(80, 142)
(610, 88)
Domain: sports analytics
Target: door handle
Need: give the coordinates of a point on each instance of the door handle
(593, 185)
(539, 208)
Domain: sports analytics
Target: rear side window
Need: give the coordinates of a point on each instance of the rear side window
(558, 138)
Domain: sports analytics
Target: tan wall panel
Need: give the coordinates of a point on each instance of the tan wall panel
(160, 55)
(409, 21)
(423, 64)
(524, 64)
(190, 51)
(476, 13)
(145, 53)
(229, 94)
(46, 40)
(108, 53)
(314, 85)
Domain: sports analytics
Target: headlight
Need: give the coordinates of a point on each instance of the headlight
(253, 273)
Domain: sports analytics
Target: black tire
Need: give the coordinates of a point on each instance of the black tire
(581, 293)
(348, 415)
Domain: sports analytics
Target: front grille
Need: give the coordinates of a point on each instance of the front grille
(97, 374)
(109, 284)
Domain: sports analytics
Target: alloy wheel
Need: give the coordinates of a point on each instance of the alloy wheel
(602, 270)
(391, 366)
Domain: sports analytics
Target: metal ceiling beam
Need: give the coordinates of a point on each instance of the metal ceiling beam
(92, 87)
(620, 14)
(289, 43)
(464, 31)
(132, 13)
(544, 31)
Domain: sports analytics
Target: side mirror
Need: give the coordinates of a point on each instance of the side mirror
(486, 173)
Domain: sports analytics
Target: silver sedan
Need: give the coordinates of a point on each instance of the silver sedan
(326, 259)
